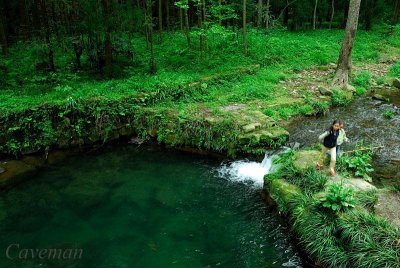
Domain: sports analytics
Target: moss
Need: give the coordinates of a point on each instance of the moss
(305, 159)
(282, 192)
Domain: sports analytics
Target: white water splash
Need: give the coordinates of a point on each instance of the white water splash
(248, 171)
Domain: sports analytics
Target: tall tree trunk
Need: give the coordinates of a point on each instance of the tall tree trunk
(48, 33)
(205, 25)
(332, 14)
(344, 63)
(3, 29)
(219, 12)
(259, 13)
(187, 30)
(267, 15)
(168, 17)
(345, 15)
(369, 11)
(396, 12)
(160, 19)
(181, 18)
(315, 14)
(244, 28)
(107, 45)
(200, 19)
(149, 26)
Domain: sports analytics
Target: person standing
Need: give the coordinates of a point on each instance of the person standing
(329, 139)
(342, 138)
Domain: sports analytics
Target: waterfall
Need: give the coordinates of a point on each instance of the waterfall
(249, 172)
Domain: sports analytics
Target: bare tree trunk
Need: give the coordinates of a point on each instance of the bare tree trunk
(332, 14)
(160, 24)
(315, 14)
(396, 12)
(181, 18)
(168, 17)
(259, 13)
(187, 30)
(107, 44)
(3, 33)
(244, 28)
(200, 19)
(219, 12)
(369, 10)
(344, 63)
(149, 26)
(267, 15)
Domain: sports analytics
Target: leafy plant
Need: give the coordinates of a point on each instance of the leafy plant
(360, 90)
(395, 70)
(362, 79)
(338, 198)
(340, 97)
(388, 114)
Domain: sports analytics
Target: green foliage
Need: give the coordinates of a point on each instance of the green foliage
(306, 109)
(338, 198)
(363, 79)
(359, 162)
(395, 70)
(360, 90)
(309, 180)
(389, 114)
(340, 97)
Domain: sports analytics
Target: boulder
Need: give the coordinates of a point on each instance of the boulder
(251, 127)
(379, 97)
(305, 159)
(396, 83)
(324, 91)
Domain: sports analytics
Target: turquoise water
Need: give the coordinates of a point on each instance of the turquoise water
(140, 207)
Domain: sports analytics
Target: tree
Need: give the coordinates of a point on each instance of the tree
(184, 4)
(3, 33)
(149, 25)
(344, 63)
(259, 13)
(315, 14)
(332, 14)
(160, 19)
(244, 28)
(107, 46)
(396, 12)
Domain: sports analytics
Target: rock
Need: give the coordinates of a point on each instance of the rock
(350, 88)
(396, 83)
(281, 192)
(296, 145)
(379, 97)
(305, 159)
(251, 127)
(324, 91)
(2, 170)
(333, 65)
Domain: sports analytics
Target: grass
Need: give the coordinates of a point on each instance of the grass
(279, 53)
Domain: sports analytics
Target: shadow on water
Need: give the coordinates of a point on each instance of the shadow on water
(364, 121)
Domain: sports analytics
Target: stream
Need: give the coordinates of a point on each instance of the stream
(364, 121)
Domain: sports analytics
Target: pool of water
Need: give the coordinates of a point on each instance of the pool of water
(140, 207)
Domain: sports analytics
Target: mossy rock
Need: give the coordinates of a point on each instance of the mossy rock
(282, 192)
(305, 159)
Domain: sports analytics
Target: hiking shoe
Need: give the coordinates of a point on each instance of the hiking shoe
(318, 167)
(332, 172)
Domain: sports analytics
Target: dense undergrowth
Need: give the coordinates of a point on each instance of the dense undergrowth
(335, 224)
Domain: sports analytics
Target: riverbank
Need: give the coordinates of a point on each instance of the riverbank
(338, 221)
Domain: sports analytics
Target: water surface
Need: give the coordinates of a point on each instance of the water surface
(142, 207)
